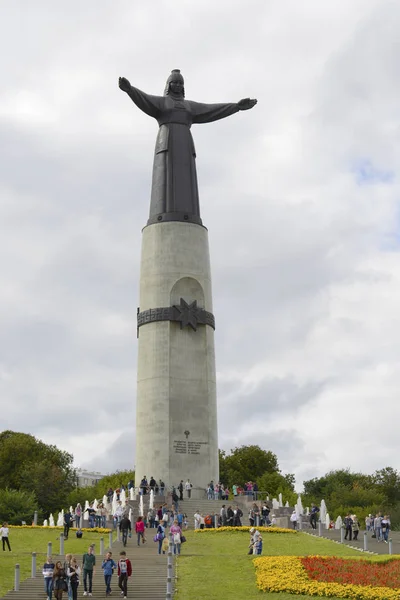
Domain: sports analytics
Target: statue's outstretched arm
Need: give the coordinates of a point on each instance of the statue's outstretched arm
(151, 105)
(206, 113)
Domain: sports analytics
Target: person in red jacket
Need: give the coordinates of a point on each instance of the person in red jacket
(124, 571)
(139, 528)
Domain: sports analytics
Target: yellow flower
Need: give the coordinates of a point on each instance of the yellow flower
(247, 529)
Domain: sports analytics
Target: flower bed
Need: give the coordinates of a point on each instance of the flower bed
(93, 529)
(329, 576)
(246, 530)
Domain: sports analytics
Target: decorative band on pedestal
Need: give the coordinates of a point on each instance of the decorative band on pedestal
(188, 315)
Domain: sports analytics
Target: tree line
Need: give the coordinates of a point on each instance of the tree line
(35, 476)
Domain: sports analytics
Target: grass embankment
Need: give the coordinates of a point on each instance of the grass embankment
(25, 541)
(216, 565)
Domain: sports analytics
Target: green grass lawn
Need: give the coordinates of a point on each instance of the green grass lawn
(216, 565)
(25, 541)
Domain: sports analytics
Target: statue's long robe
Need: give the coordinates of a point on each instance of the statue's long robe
(174, 192)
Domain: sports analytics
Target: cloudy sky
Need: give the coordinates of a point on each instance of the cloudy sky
(300, 196)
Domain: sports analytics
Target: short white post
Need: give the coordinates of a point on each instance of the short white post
(101, 546)
(341, 535)
(16, 578)
(49, 548)
(118, 533)
(61, 544)
(390, 546)
(169, 569)
(110, 536)
(33, 571)
(319, 528)
(35, 517)
(365, 541)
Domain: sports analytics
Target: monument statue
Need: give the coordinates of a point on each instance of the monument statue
(176, 403)
(174, 192)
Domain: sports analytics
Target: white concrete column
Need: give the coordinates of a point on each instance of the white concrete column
(176, 423)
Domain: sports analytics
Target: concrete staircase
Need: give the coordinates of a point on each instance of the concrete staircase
(148, 581)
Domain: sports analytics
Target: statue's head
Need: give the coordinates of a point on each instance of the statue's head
(175, 85)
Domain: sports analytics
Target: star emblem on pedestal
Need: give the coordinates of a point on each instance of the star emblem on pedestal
(187, 314)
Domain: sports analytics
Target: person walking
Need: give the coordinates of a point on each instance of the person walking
(124, 571)
(378, 527)
(73, 573)
(125, 528)
(355, 527)
(385, 528)
(67, 523)
(48, 570)
(88, 567)
(108, 567)
(139, 528)
(348, 524)
(60, 584)
(160, 535)
(313, 516)
(5, 532)
(176, 536)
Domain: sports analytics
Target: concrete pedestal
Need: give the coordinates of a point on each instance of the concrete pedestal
(176, 426)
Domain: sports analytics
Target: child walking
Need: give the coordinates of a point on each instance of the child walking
(108, 567)
(48, 569)
(124, 571)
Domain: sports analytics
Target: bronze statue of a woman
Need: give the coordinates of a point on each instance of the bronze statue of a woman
(174, 192)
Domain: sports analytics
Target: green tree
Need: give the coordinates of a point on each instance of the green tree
(17, 506)
(30, 465)
(276, 483)
(387, 481)
(246, 463)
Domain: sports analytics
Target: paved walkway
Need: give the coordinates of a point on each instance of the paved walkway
(372, 544)
(148, 581)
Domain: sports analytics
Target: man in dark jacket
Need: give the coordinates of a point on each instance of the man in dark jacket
(348, 524)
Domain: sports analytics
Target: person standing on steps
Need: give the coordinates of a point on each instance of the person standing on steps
(108, 567)
(188, 488)
(180, 489)
(124, 571)
(73, 573)
(4, 532)
(88, 567)
(48, 569)
(60, 584)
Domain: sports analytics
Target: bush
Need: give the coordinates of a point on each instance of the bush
(17, 506)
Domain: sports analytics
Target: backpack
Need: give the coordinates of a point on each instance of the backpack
(123, 566)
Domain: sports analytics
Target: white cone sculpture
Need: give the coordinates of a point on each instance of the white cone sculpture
(45, 523)
(327, 521)
(141, 509)
(280, 500)
(322, 512)
(122, 497)
(114, 503)
(132, 494)
(60, 519)
(339, 523)
(51, 520)
(105, 500)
